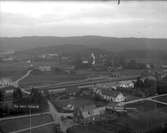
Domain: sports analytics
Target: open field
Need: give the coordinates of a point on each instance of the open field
(15, 124)
(46, 78)
(162, 99)
(12, 70)
(146, 106)
(45, 129)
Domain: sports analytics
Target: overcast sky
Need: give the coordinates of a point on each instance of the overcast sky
(129, 19)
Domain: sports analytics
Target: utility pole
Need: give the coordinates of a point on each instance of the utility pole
(30, 119)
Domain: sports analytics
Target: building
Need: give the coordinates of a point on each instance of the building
(109, 95)
(68, 68)
(126, 84)
(119, 98)
(45, 68)
(88, 113)
(53, 91)
(5, 82)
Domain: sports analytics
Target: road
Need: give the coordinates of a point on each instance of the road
(23, 116)
(57, 117)
(143, 99)
(23, 77)
(164, 103)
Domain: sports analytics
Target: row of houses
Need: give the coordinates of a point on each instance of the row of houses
(5, 82)
(115, 85)
(109, 95)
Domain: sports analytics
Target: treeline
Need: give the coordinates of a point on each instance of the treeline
(142, 87)
(21, 103)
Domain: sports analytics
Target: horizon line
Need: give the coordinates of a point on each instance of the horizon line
(81, 36)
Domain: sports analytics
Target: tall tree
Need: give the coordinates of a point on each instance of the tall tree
(2, 96)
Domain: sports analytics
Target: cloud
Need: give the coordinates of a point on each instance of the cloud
(147, 19)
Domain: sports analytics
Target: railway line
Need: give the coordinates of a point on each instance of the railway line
(80, 83)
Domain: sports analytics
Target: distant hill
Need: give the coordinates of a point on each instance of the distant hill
(109, 43)
(69, 50)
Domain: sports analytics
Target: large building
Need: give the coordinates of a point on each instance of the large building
(88, 113)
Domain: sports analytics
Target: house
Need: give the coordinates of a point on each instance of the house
(88, 113)
(120, 98)
(126, 84)
(44, 68)
(8, 59)
(85, 62)
(8, 89)
(109, 95)
(7, 82)
(68, 68)
(53, 91)
(72, 91)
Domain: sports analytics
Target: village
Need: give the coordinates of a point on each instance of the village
(89, 92)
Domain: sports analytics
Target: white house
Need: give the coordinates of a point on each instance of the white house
(120, 98)
(44, 68)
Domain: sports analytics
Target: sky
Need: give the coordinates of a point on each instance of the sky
(129, 19)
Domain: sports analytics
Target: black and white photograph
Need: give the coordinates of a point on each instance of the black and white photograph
(83, 66)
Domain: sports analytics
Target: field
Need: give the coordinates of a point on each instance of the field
(146, 106)
(45, 129)
(46, 78)
(21, 123)
(162, 99)
(12, 70)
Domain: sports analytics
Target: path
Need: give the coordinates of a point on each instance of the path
(23, 77)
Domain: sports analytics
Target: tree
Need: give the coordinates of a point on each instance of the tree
(37, 98)
(2, 96)
(150, 87)
(139, 83)
(17, 95)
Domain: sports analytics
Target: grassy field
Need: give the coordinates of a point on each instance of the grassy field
(15, 124)
(12, 70)
(45, 129)
(46, 78)
(145, 106)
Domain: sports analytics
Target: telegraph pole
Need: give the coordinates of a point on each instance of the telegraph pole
(30, 120)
